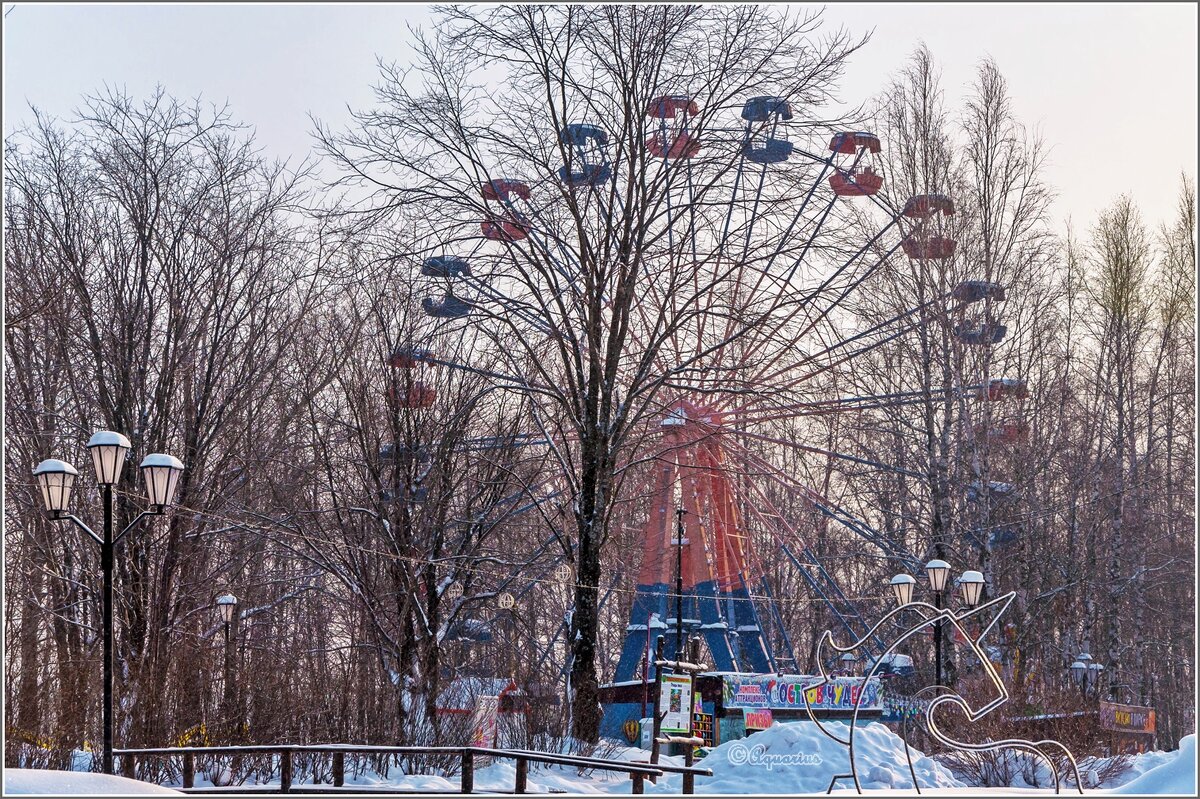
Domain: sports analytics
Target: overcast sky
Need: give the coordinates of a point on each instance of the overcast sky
(1111, 87)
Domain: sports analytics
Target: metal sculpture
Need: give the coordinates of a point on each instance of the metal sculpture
(930, 615)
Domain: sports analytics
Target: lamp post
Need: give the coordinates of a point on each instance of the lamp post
(679, 542)
(938, 572)
(56, 478)
(1086, 673)
(506, 601)
(227, 605)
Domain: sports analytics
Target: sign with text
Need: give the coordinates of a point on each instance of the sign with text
(785, 692)
(757, 718)
(675, 704)
(1126, 718)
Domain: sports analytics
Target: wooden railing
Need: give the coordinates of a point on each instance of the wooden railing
(638, 772)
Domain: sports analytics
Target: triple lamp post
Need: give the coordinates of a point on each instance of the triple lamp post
(938, 571)
(1086, 672)
(56, 478)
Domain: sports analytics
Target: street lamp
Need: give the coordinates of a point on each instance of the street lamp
(1086, 672)
(971, 584)
(1079, 674)
(506, 601)
(161, 474)
(227, 605)
(56, 478)
(108, 451)
(848, 664)
(938, 571)
(902, 587)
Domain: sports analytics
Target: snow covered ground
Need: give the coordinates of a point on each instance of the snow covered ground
(786, 759)
(1168, 772)
(798, 758)
(43, 782)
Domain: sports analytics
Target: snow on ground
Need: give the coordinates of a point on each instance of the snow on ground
(1173, 774)
(789, 758)
(798, 758)
(44, 782)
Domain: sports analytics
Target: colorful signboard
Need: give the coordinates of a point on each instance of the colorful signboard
(785, 692)
(1126, 718)
(757, 718)
(675, 705)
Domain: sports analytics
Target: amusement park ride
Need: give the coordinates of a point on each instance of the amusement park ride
(702, 510)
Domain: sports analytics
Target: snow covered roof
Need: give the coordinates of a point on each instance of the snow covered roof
(464, 692)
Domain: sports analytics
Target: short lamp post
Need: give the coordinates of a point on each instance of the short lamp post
(56, 478)
(227, 605)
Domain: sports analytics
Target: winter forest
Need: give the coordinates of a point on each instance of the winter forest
(560, 290)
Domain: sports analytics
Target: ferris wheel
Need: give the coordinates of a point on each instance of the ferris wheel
(772, 225)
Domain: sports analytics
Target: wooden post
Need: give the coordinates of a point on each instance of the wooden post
(468, 771)
(339, 769)
(639, 785)
(285, 770)
(689, 779)
(127, 766)
(658, 656)
(189, 770)
(522, 775)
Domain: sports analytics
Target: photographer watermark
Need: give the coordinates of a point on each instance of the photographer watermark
(757, 755)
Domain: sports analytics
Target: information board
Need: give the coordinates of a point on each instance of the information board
(674, 705)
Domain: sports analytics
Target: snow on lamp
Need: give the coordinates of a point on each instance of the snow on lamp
(902, 587)
(108, 451)
(938, 571)
(227, 604)
(161, 474)
(55, 478)
(971, 584)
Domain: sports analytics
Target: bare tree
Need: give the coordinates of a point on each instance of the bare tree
(595, 284)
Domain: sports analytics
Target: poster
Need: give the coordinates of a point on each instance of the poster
(675, 705)
(484, 721)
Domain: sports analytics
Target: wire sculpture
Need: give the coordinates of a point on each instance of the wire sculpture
(930, 615)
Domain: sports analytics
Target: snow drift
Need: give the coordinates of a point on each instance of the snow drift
(45, 782)
(797, 758)
(1177, 774)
